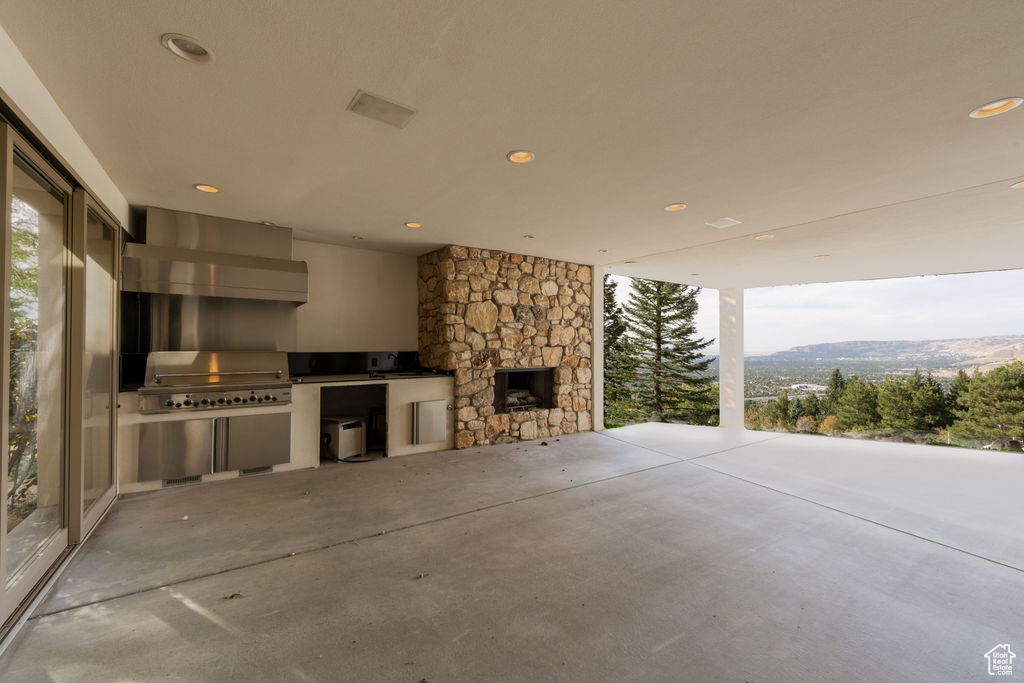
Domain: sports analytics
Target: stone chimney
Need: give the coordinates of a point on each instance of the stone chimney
(483, 311)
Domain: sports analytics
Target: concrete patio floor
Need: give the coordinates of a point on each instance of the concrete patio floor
(648, 553)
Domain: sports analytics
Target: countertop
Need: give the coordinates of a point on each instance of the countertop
(365, 377)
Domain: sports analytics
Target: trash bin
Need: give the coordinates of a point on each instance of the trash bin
(342, 437)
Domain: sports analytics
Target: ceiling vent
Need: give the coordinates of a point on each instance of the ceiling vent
(379, 109)
(724, 222)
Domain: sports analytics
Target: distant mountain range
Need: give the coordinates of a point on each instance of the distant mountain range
(984, 353)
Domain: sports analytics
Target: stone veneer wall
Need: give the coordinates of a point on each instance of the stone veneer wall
(480, 310)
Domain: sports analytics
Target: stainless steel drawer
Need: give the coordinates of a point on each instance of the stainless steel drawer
(258, 441)
(171, 450)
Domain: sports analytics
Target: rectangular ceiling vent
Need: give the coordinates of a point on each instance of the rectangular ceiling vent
(723, 222)
(379, 109)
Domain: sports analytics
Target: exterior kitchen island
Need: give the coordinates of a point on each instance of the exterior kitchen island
(403, 389)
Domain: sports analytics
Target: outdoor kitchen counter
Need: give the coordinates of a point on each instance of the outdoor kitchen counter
(129, 419)
(403, 389)
(365, 377)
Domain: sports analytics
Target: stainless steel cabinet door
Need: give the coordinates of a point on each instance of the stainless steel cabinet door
(429, 421)
(258, 440)
(171, 450)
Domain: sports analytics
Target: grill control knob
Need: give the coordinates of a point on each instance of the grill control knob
(273, 398)
(188, 401)
(169, 403)
(268, 397)
(177, 405)
(237, 400)
(245, 400)
(221, 400)
(205, 402)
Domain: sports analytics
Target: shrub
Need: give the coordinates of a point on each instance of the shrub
(829, 426)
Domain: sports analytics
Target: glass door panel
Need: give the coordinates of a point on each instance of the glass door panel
(36, 358)
(98, 360)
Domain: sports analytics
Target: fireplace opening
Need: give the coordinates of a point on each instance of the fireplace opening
(519, 390)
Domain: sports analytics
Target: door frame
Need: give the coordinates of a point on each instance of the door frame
(82, 521)
(13, 592)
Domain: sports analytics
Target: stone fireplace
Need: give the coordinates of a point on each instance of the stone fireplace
(517, 332)
(519, 390)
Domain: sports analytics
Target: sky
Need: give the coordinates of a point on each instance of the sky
(707, 311)
(932, 307)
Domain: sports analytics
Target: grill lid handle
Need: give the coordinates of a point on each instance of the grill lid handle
(157, 376)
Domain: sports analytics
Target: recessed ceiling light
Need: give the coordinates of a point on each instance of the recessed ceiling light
(527, 237)
(187, 48)
(206, 188)
(269, 224)
(519, 156)
(1017, 186)
(693, 274)
(822, 255)
(765, 237)
(723, 222)
(675, 206)
(629, 261)
(413, 224)
(602, 251)
(996, 108)
(357, 237)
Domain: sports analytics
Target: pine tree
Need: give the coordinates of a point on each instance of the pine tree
(671, 366)
(619, 363)
(836, 384)
(796, 410)
(993, 405)
(929, 402)
(776, 413)
(812, 406)
(915, 403)
(857, 407)
(961, 383)
(896, 403)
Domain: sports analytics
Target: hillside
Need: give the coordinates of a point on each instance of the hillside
(982, 352)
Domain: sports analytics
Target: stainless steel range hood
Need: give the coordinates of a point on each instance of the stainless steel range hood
(190, 254)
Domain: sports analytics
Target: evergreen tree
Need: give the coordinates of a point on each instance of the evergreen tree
(913, 402)
(796, 409)
(836, 385)
(857, 407)
(993, 405)
(896, 403)
(812, 406)
(776, 413)
(672, 380)
(929, 402)
(619, 363)
(957, 388)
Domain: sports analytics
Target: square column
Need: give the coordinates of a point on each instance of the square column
(597, 351)
(730, 360)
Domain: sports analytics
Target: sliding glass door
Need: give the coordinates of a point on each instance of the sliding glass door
(94, 303)
(35, 239)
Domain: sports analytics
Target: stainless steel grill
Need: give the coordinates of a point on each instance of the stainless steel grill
(184, 381)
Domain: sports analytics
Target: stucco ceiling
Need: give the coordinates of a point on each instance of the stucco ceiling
(840, 127)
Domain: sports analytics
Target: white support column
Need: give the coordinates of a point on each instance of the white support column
(730, 363)
(597, 346)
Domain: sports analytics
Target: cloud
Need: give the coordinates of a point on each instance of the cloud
(934, 307)
(706, 319)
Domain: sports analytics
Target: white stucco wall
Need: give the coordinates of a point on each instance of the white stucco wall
(359, 300)
(21, 88)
